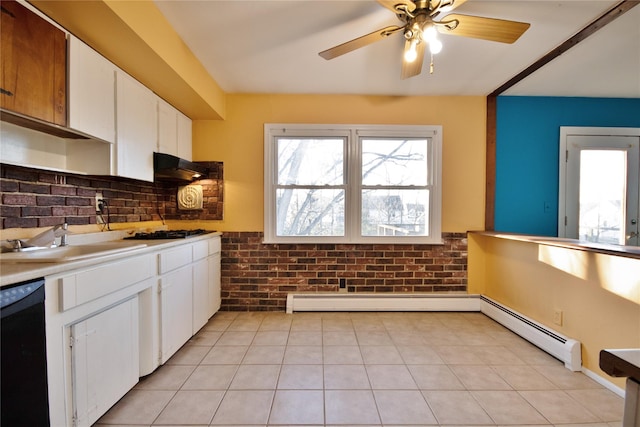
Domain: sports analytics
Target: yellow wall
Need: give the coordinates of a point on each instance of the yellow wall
(598, 294)
(238, 142)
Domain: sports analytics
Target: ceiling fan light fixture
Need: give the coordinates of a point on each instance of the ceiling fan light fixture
(429, 33)
(411, 54)
(435, 46)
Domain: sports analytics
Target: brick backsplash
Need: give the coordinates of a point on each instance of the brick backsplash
(39, 198)
(257, 276)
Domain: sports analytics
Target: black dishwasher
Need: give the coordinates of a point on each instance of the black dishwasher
(24, 397)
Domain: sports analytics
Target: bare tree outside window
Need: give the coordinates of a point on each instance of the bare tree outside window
(311, 187)
(395, 194)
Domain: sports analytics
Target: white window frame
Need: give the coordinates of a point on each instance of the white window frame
(353, 133)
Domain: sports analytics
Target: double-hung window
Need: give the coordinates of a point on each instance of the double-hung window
(352, 184)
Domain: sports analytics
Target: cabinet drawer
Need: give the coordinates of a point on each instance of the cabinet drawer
(200, 250)
(174, 258)
(85, 286)
(215, 245)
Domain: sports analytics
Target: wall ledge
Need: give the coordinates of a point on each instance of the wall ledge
(581, 245)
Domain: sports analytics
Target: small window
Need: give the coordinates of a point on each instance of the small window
(352, 184)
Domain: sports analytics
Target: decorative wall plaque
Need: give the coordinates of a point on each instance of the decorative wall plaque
(190, 197)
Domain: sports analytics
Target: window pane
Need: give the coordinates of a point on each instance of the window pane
(394, 161)
(395, 212)
(310, 212)
(602, 196)
(317, 161)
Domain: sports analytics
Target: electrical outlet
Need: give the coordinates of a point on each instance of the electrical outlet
(98, 198)
(343, 285)
(557, 317)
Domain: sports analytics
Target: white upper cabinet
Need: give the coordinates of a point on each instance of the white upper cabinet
(167, 128)
(91, 92)
(184, 137)
(137, 130)
(174, 131)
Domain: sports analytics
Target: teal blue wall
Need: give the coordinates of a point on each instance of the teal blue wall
(527, 145)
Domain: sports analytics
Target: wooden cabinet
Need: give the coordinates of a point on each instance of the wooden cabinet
(104, 351)
(137, 128)
(92, 96)
(33, 65)
(174, 131)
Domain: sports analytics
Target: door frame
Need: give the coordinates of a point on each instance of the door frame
(565, 133)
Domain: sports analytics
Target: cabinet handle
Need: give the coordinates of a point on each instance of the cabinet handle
(6, 92)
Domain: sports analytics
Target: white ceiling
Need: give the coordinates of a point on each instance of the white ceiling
(269, 46)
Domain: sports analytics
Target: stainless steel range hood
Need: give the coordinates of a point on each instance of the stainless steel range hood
(171, 168)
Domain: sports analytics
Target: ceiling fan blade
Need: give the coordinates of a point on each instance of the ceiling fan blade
(391, 4)
(410, 69)
(497, 30)
(354, 44)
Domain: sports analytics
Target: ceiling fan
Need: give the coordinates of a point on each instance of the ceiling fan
(423, 20)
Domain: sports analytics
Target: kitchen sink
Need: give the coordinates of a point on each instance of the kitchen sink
(71, 252)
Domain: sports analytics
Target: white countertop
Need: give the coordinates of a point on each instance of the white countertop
(11, 272)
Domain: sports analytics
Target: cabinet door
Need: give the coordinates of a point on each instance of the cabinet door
(175, 310)
(201, 297)
(92, 96)
(104, 360)
(167, 128)
(32, 65)
(137, 128)
(184, 137)
(215, 288)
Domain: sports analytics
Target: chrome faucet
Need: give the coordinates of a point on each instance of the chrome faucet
(46, 239)
(63, 235)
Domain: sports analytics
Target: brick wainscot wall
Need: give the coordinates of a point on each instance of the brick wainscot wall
(257, 276)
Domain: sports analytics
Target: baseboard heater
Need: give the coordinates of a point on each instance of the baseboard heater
(565, 349)
(381, 302)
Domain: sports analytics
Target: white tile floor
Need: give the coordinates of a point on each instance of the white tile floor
(459, 369)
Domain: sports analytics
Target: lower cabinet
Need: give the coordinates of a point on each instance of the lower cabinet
(104, 360)
(110, 323)
(201, 297)
(176, 304)
(206, 281)
(215, 285)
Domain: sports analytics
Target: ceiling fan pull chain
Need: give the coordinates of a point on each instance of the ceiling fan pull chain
(431, 65)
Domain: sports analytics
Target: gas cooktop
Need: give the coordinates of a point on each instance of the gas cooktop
(168, 234)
